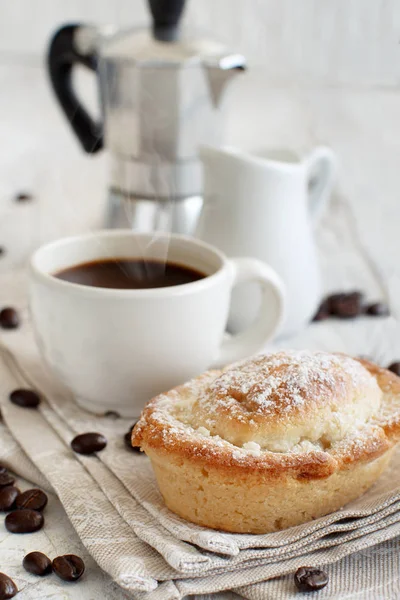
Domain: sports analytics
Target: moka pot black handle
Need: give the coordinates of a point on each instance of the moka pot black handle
(61, 59)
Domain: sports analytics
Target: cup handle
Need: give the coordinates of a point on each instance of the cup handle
(269, 318)
(321, 167)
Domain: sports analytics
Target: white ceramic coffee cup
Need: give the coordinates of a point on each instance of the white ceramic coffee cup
(116, 349)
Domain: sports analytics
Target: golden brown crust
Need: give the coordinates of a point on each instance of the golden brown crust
(181, 442)
(242, 505)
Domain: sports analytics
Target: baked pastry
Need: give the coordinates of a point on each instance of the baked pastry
(273, 441)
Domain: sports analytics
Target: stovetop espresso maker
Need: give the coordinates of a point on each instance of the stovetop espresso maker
(161, 95)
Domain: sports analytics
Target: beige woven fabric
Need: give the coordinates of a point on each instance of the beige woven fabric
(114, 505)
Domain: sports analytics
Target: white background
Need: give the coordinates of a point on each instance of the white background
(352, 42)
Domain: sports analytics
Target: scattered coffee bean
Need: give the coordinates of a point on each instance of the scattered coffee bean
(349, 305)
(323, 311)
(88, 443)
(8, 589)
(24, 521)
(332, 299)
(310, 579)
(6, 479)
(377, 309)
(23, 197)
(8, 495)
(25, 398)
(127, 439)
(68, 567)
(346, 306)
(37, 563)
(395, 368)
(34, 499)
(9, 318)
(128, 442)
(112, 414)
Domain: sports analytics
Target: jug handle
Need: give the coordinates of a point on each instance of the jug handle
(320, 167)
(63, 55)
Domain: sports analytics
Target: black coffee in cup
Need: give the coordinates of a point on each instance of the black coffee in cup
(129, 274)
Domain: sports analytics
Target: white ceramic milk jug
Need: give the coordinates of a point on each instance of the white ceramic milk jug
(264, 205)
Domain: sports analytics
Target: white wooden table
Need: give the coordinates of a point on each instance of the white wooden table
(358, 236)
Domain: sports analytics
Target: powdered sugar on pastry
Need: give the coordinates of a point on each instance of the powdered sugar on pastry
(292, 401)
(278, 400)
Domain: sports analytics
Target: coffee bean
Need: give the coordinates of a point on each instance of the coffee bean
(68, 567)
(377, 309)
(323, 311)
(8, 495)
(395, 368)
(332, 299)
(24, 521)
(23, 197)
(346, 306)
(34, 499)
(310, 579)
(6, 479)
(37, 563)
(88, 443)
(128, 442)
(127, 439)
(112, 414)
(9, 318)
(25, 398)
(8, 589)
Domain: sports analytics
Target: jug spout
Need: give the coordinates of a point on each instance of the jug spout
(220, 71)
